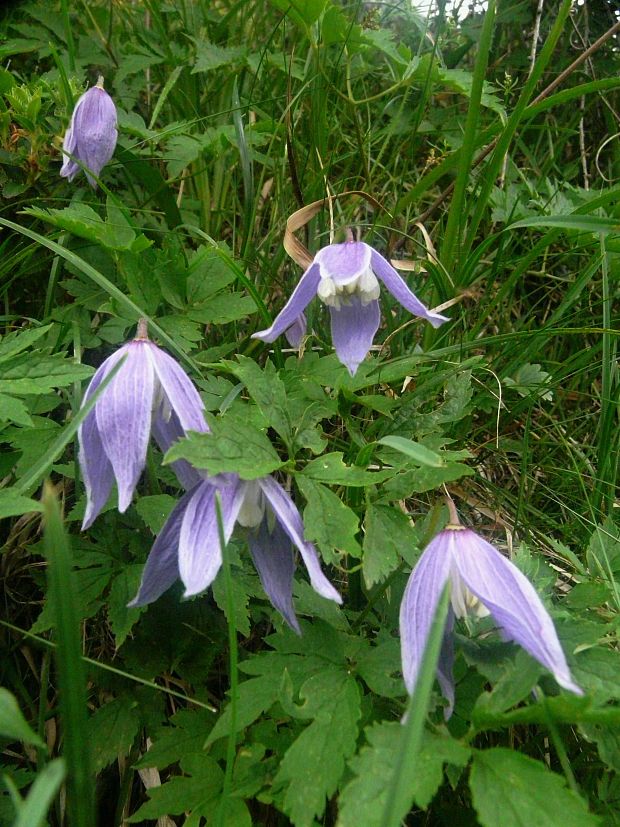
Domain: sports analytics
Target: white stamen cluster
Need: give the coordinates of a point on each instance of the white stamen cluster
(462, 599)
(253, 508)
(366, 287)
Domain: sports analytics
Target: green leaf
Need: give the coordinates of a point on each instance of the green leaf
(16, 342)
(14, 410)
(363, 799)
(155, 510)
(11, 505)
(330, 468)
(197, 793)
(386, 532)
(240, 600)
(223, 308)
(304, 12)
(171, 743)
(33, 810)
(210, 57)
(313, 765)
(13, 725)
(267, 390)
(423, 479)
(233, 446)
(35, 373)
(254, 697)
(124, 588)
(328, 522)
(112, 731)
(515, 791)
(414, 450)
(82, 221)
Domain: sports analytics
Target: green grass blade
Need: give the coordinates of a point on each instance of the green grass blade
(399, 797)
(34, 809)
(456, 215)
(69, 666)
(497, 158)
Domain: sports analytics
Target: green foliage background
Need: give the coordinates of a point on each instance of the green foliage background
(499, 187)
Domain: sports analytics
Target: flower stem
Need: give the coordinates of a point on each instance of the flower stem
(142, 332)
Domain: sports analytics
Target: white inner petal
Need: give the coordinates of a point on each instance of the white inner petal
(365, 287)
(253, 507)
(463, 601)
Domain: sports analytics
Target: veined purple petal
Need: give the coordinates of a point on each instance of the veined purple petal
(94, 129)
(419, 604)
(69, 168)
(96, 468)
(179, 389)
(167, 431)
(200, 556)
(295, 306)
(124, 419)
(344, 263)
(445, 664)
(398, 288)
(162, 565)
(296, 332)
(353, 329)
(290, 519)
(273, 557)
(512, 601)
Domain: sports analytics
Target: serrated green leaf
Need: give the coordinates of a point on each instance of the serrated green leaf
(171, 743)
(11, 505)
(124, 588)
(406, 483)
(210, 57)
(14, 410)
(362, 801)
(328, 522)
(233, 446)
(254, 697)
(386, 532)
(13, 725)
(198, 793)
(331, 469)
(82, 221)
(112, 730)
(155, 510)
(223, 309)
(515, 791)
(267, 390)
(313, 765)
(36, 373)
(240, 601)
(16, 342)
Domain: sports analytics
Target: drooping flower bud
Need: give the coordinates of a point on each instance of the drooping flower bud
(91, 136)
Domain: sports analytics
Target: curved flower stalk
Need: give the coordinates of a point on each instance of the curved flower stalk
(149, 393)
(91, 136)
(483, 581)
(346, 278)
(188, 546)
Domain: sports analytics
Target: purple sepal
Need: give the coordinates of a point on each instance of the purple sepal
(403, 295)
(91, 136)
(275, 563)
(353, 329)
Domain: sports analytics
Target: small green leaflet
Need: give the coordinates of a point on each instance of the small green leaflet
(12, 505)
(414, 450)
(515, 791)
(362, 800)
(268, 391)
(331, 469)
(387, 532)
(328, 521)
(13, 725)
(233, 446)
(111, 731)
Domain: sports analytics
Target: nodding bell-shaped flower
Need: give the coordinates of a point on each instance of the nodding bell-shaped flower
(346, 278)
(91, 136)
(484, 582)
(150, 393)
(188, 546)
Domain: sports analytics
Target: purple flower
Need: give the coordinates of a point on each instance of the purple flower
(345, 278)
(150, 392)
(188, 546)
(91, 136)
(483, 581)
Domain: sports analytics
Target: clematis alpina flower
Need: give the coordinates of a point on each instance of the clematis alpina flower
(91, 136)
(482, 581)
(149, 393)
(346, 278)
(188, 546)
